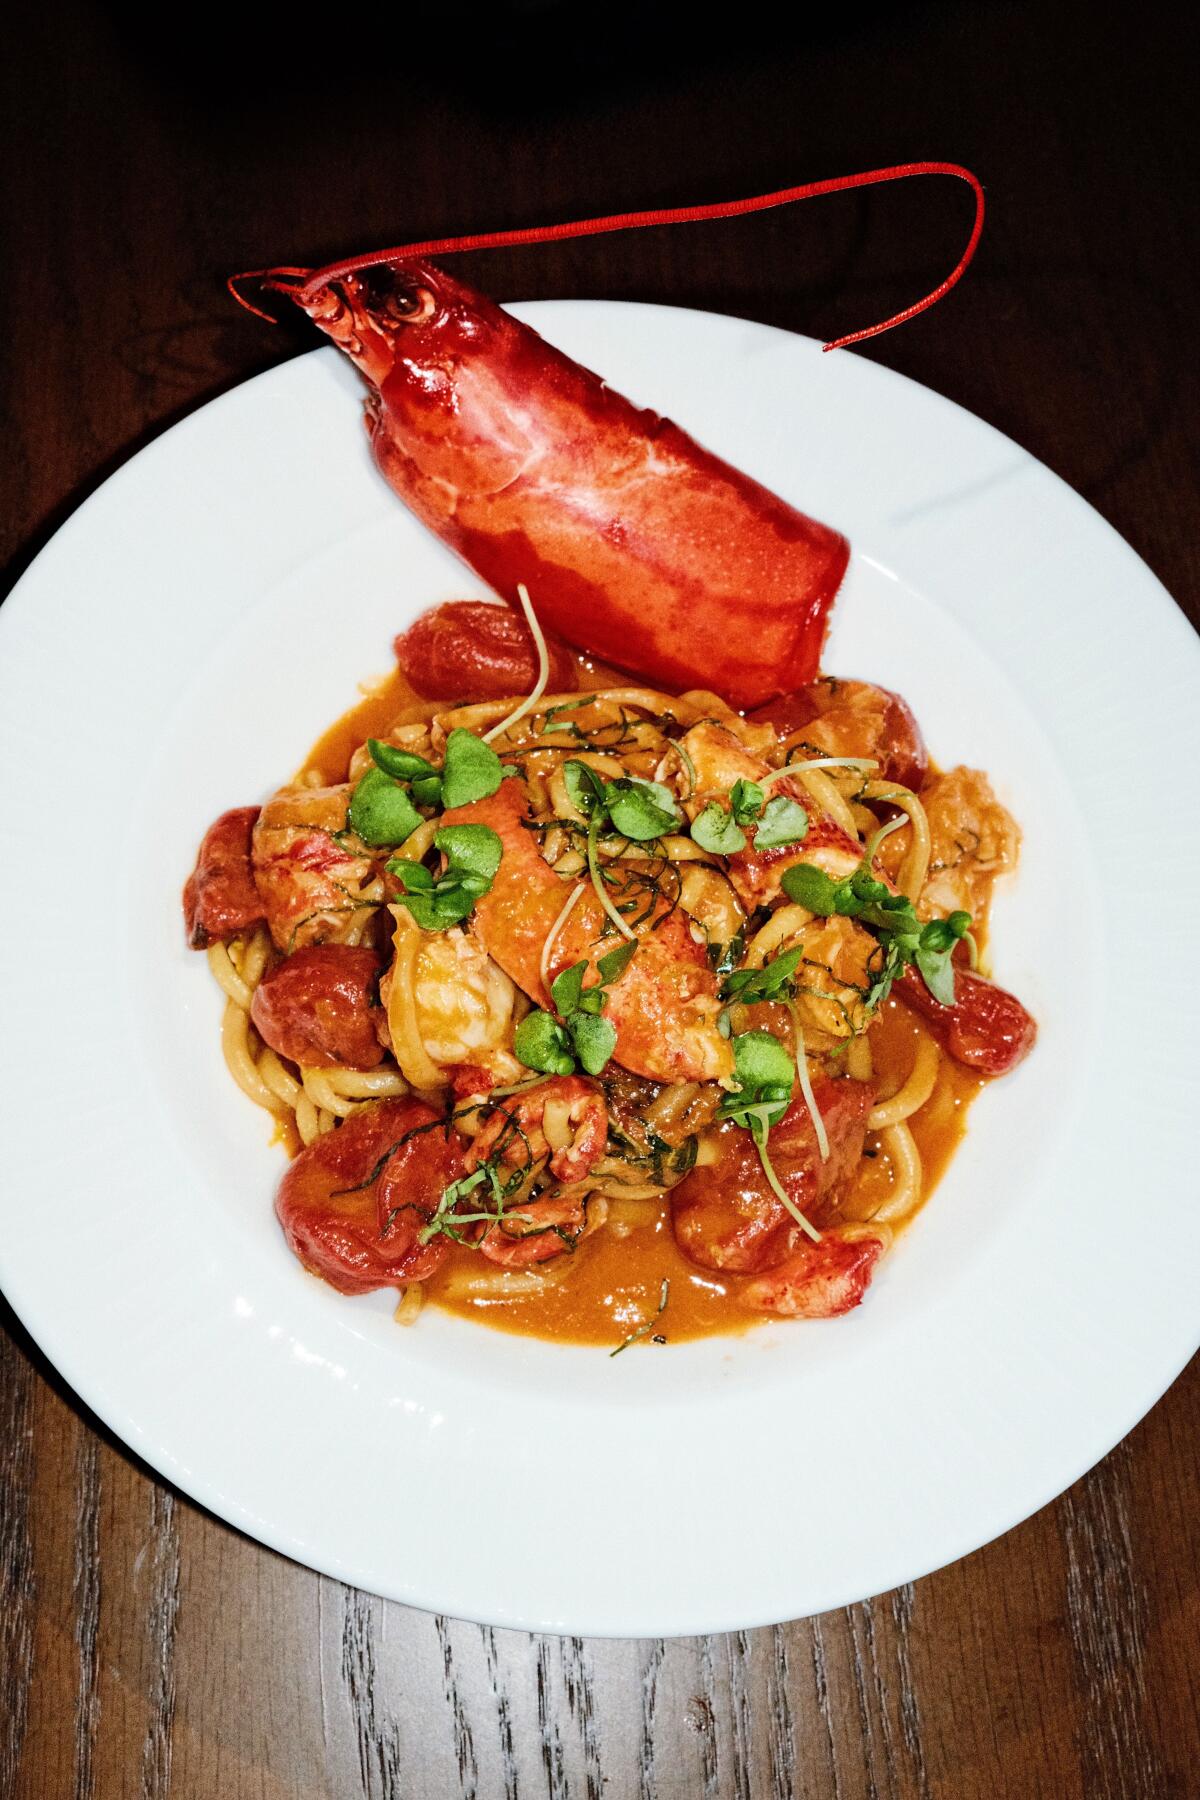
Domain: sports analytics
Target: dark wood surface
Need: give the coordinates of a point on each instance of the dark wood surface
(147, 1649)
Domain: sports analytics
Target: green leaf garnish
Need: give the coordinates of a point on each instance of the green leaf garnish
(580, 1026)
(784, 821)
(473, 854)
(761, 1061)
(427, 790)
(416, 877)
(594, 1039)
(765, 1073)
(401, 765)
(472, 770)
(812, 888)
(715, 831)
(380, 812)
(566, 990)
(584, 787)
(471, 849)
(893, 919)
(542, 1043)
(934, 951)
(640, 810)
(746, 801)
(615, 962)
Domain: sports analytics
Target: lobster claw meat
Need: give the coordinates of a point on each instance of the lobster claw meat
(637, 544)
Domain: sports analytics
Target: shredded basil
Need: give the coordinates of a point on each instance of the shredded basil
(648, 1325)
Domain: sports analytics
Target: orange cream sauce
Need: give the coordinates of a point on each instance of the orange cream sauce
(617, 1274)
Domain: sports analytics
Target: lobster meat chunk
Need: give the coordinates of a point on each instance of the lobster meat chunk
(853, 718)
(663, 1006)
(725, 1214)
(564, 1120)
(820, 1281)
(636, 544)
(312, 880)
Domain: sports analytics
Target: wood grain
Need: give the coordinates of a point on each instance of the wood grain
(147, 1650)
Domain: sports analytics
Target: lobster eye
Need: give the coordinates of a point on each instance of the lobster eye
(395, 299)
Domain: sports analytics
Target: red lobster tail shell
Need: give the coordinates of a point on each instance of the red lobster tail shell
(636, 543)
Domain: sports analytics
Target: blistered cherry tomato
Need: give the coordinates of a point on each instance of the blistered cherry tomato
(318, 1007)
(987, 1029)
(220, 898)
(353, 1203)
(472, 650)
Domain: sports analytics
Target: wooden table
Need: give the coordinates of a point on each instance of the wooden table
(146, 1648)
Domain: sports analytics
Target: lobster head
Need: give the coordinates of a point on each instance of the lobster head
(446, 369)
(389, 314)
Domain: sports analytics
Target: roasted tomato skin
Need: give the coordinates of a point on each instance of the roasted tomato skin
(220, 897)
(987, 1029)
(854, 718)
(472, 648)
(725, 1215)
(318, 1007)
(357, 1237)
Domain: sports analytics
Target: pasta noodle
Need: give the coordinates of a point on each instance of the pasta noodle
(915, 1092)
(827, 797)
(900, 1145)
(915, 866)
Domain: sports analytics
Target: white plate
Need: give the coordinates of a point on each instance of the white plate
(175, 650)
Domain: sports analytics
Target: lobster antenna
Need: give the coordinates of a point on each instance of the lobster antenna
(279, 281)
(303, 284)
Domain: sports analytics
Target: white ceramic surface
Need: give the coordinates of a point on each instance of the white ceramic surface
(174, 651)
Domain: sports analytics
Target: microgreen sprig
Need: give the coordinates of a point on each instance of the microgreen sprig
(383, 807)
(472, 853)
(639, 811)
(635, 809)
(772, 982)
(892, 918)
(777, 822)
(766, 1075)
(579, 1031)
